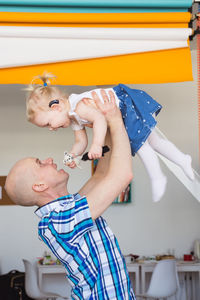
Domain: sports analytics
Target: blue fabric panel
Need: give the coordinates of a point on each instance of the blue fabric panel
(45, 9)
(101, 3)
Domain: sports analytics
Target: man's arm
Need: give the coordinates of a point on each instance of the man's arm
(102, 190)
(101, 169)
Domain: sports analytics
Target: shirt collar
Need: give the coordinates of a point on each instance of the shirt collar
(53, 205)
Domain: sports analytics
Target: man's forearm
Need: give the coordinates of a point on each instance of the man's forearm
(121, 159)
(101, 169)
(119, 173)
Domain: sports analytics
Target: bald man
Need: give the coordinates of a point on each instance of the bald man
(71, 224)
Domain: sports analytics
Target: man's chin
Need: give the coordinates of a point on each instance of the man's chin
(62, 171)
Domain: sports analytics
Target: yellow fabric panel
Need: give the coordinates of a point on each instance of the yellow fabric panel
(137, 25)
(103, 18)
(152, 67)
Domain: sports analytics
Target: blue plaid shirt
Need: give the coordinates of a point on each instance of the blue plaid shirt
(88, 249)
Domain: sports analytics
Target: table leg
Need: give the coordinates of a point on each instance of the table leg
(143, 287)
(137, 283)
(135, 278)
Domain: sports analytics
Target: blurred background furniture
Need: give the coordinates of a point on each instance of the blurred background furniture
(164, 281)
(140, 274)
(55, 277)
(189, 278)
(31, 283)
(57, 273)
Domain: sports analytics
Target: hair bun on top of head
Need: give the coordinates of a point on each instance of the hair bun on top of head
(45, 78)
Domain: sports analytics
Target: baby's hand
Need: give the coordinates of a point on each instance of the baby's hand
(70, 160)
(95, 151)
(71, 165)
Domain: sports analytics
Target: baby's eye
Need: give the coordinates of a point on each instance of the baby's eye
(48, 126)
(45, 125)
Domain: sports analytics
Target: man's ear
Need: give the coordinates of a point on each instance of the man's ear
(39, 187)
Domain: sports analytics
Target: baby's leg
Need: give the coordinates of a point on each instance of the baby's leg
(151, 163)
(170, 151)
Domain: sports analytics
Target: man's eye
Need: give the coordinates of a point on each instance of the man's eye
(41, 164)
(38, 161)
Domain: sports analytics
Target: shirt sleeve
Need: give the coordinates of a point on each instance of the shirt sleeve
(73, 221)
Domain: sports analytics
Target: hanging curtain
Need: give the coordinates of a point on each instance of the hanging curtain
(100, 3)
(79, 47)
(153, 67)
(93, 6)
(136, 59)
(35, 45)
(176, 19)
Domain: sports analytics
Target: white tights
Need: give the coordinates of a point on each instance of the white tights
(151, 162)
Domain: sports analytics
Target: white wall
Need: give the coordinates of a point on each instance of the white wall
(142, 227)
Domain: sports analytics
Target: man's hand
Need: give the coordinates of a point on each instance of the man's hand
(109, 107)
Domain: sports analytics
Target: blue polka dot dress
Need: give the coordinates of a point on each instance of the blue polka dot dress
(137, 109)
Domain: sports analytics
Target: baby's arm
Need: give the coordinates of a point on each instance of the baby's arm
(79, 146)
(98, 120)
(80, 143)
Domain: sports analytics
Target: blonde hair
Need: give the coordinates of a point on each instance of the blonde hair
(38, 94)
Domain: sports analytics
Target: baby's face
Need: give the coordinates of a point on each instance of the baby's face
(53, 113)
(52, 119)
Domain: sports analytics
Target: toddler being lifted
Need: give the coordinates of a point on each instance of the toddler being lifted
(48, 106)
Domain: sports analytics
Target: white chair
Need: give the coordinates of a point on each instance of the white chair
(164, 281)
(31, 283)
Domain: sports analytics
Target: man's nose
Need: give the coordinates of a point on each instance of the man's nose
(49, 160)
